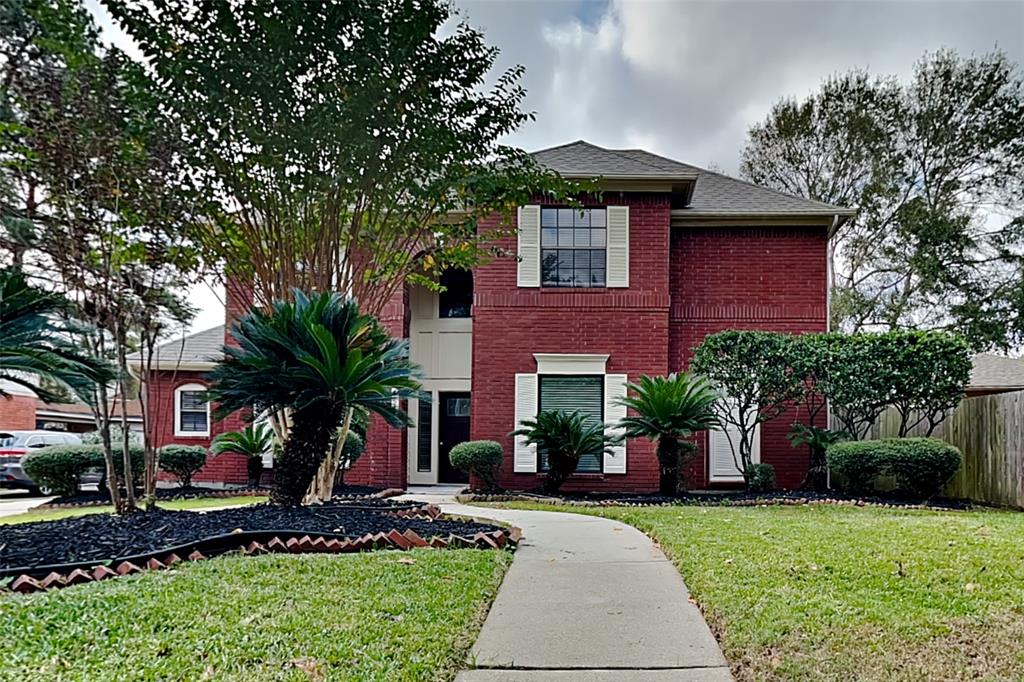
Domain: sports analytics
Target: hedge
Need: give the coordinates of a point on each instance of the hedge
(183, 461)
(921, 466)
(59, 467)
(482, 458)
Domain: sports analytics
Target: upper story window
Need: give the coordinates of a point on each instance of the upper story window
(573, 247)
(457, 298)
(191, 411)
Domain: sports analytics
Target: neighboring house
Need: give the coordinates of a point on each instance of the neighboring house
(21, 410)
(629, 286)
(995, 374)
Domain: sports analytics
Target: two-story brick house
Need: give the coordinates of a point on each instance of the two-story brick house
(597, 297)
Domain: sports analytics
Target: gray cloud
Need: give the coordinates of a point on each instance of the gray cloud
(687, 79)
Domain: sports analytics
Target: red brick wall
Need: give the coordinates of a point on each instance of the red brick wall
(229, 468)
(630, 325)
(383, 461)
(18, 413)
(771, 279)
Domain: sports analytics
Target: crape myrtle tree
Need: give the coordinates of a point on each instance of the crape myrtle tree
(751, 372)
(350, 146)
(935, 169)
(320, 358)
(94, 204)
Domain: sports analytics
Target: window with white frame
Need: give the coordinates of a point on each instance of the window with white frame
(191, 411)
(573, 247)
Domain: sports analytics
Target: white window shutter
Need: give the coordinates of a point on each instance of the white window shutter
(618, 246)
(614, 388)
(529, 246)
(722, 464)
(524, 458)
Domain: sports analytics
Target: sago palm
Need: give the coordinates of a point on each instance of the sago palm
(669, 410)
(564, 437)
(34, 343)
(318, 357)
(253, 441)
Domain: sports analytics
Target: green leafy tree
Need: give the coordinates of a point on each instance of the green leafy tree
(254, 441)
(562, 438)
(935, 169)
(751, 372)
(34, 343)
(356, 146)
(669, 410)
(316, 357)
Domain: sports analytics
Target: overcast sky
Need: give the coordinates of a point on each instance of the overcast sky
(686, 79)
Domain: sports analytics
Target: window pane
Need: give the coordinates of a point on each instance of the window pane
(423, 435)
(581, 238)
(549, 237)
(548, 217)
(193, 400)
(565, 260)
(565, 218)
(597, 278)
(582, 260)
(581, 218)
(596, 258)
(457, 407)
(597, 238)
(549, 268)
(564, 237)
(457, 298)
(597, 217)
(193, 421)
(571, 393)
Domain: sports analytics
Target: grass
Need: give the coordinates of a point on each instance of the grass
(197, 503)
(375, 616)
(823, 592)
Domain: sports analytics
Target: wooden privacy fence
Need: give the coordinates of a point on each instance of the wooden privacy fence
(989, 430)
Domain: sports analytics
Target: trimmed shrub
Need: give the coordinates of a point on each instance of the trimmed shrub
(921, 466)
(760, 478)
(59, 467)
(482, 458)
(857, 463)
(183, 461)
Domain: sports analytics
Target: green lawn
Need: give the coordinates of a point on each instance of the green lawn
(839, 593)
(197, 503)
(375, 616)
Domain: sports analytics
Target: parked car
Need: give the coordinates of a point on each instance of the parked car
(14, 445)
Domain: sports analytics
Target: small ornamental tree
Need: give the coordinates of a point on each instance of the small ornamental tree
(751, 371)
(563, 438)
(253, 441)
(669, 410)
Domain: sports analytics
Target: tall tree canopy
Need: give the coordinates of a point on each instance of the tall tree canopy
(353, 146)
(935, 168)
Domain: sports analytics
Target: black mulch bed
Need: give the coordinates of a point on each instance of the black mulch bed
(101, 537)
(744, 498)
(100, 497)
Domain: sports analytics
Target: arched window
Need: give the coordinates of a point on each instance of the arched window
(191, 411)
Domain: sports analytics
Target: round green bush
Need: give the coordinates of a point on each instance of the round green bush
(59, 467)
(482, 458)
(921, 466)
(760, 478)
(183, 461)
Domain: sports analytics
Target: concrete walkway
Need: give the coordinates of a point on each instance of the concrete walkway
(589, 599)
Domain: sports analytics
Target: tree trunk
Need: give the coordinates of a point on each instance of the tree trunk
(817, 470)
(302, 454)
(668, 466)
(322, 487)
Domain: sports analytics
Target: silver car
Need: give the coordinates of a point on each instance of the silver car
(14, 445)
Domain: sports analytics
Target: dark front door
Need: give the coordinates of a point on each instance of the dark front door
(453, 428)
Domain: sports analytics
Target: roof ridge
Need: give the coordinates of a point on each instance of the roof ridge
(772, 190)
(564, 145)
(618, 152)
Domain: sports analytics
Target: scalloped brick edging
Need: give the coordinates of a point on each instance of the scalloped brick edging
(285, 543)
(214, 494)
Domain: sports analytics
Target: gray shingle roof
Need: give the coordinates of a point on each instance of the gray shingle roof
(199, 348)
(997, 371)
(714, 194)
